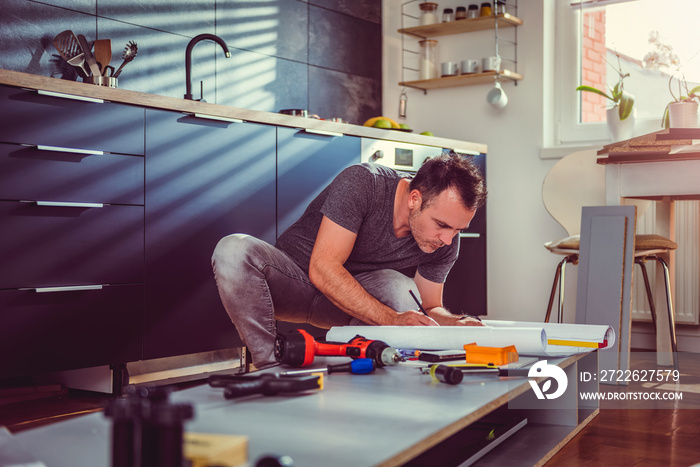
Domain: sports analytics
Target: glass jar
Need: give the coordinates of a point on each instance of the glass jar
(473, 11)
(428, 13)
(428, 65)
(461, 13)
(485, 9)
(448, 15)
(500, 7)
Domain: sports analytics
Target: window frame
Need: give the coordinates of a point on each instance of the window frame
(567, 69)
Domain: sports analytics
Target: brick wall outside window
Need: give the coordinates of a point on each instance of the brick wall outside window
(593, 67)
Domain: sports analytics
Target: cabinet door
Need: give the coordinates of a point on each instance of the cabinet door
(306, 164)
(204, 180)
(63, 330)
(27, 117)
(69, 245)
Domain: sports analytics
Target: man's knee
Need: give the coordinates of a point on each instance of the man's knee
(390, 287)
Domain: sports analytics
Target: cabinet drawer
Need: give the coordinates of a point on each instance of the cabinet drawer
(56, 245)
(28, 173)
(42, 332)
(27, 117)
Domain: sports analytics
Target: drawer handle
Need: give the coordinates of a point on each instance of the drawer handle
(70, 96)
(69, 288)
(67, 204)
(90, 152)
(322, 132)
(218, 119)
(469, 235)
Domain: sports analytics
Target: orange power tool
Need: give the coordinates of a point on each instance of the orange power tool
(298, 348)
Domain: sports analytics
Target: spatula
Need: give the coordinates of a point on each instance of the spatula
(89, 58)
(69, 48)
(103, 53)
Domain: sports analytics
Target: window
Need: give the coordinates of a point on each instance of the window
(651, 40)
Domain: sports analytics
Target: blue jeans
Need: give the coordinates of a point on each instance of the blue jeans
(259, 284)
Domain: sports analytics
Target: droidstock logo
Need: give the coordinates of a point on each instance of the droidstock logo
(541, 369)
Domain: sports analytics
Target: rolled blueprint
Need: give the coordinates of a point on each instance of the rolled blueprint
(527, 340)
(567, 338)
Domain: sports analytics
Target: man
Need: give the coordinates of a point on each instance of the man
(363, 243)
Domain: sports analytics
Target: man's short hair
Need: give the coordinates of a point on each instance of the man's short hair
(450, 170)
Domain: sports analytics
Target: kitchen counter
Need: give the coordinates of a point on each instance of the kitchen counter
(44, 83)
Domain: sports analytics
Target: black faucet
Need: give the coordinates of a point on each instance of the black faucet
(188, 58)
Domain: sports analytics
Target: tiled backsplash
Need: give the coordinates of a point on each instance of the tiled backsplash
(320, 55)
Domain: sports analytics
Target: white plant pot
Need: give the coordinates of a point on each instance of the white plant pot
(620, 130)
(683, 114)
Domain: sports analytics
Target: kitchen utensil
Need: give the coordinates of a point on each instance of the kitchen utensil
(103, 53)
(469, 66)
(492, 63)
(497, 96)
(449, 69)
(108, 70)
(130, 52)
(69, 49)
(89, 58)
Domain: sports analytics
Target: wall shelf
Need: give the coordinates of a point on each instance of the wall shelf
(461, 80)
(482, 23)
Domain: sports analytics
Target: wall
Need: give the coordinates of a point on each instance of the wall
(321, 55)
(520, 269)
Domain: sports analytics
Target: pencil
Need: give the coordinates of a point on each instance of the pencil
(419, 305)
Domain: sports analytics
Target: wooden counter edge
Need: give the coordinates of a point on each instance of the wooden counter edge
(123, 96)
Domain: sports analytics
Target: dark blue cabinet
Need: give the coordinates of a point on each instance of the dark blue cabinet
(306, 163)
(465, 287)
(204, 180)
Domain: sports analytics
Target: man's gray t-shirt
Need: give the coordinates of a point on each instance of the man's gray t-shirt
(361, 199)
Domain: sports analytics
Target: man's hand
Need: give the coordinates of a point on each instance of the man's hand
(413, 318)
(468, 321)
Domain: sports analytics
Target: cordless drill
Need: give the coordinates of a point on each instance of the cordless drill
(298, 348)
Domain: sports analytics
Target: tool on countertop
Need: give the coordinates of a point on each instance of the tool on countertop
(360, 366)
(446, 374)
(267, 384)
(494, 355)
(469, 369)
(298, 348)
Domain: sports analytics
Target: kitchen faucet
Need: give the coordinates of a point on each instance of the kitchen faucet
(188, 59)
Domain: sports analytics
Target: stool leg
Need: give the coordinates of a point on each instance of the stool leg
(671, 319)
(557, 274)
(560, 309)
(647, 286)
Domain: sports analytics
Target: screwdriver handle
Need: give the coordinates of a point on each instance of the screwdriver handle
(360, 366)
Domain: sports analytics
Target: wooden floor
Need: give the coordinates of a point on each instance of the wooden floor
(630, 433)
(634, 433)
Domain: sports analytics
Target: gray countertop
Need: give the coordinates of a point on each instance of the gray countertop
(44, 83)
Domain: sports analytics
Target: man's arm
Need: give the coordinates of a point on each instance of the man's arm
(327, 272)
(431, 296)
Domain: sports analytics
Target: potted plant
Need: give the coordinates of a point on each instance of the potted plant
(620, 116)
(682, 111)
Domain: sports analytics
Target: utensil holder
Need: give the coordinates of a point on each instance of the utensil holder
(103, 81)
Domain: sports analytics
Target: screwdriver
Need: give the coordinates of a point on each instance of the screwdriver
(358, 367)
